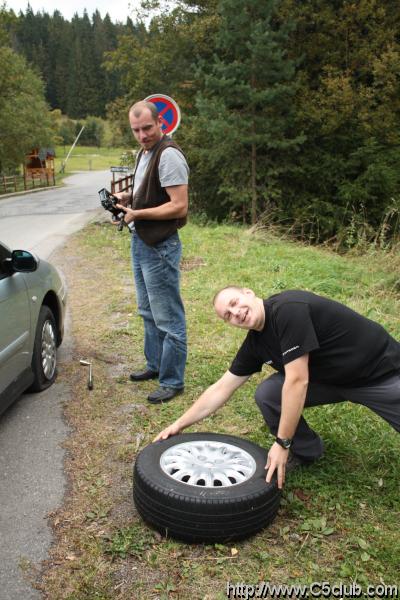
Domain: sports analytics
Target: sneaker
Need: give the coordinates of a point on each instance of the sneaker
(163, 394)
(143, 375)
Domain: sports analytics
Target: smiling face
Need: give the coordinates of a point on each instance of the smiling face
(240, 307)
(145, 127)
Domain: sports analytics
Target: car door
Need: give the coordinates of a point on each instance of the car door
(15, 325)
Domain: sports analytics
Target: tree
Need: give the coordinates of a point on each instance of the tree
(161, 57)
(69, 57)
(93, 133)
(105, 40)
(83, 81)
(348, 106)
(245, 117)
(24, 117)
(59, 47)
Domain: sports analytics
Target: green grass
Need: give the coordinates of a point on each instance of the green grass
(82, 158)
(339, 518)
(87, 158)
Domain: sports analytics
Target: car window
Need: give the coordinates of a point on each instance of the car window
(4, 253)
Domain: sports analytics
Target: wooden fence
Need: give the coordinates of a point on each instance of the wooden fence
(32, 178)
(8, 183)
(124, 184)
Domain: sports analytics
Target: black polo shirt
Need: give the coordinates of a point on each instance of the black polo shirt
(344, 347)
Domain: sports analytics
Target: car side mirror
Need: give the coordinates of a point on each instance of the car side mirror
(23, 261)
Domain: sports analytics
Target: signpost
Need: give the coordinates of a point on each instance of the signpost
(168, 110)
(122, 169)
(124, 181)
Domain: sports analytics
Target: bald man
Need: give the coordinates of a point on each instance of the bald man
(323, 353)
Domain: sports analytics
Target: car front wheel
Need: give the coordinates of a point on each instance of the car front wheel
(44, 358)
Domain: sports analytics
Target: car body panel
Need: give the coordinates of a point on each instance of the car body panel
(15, 329)
(21, 297)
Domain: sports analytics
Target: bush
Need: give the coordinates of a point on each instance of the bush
(93, 133)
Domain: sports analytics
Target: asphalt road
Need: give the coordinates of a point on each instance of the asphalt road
(32, 430)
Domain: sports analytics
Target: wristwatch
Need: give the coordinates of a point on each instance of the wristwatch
(284, 442)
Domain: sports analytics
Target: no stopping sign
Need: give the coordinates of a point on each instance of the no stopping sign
(168, 111)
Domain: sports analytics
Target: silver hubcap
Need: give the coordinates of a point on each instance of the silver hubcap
(208, 464)
(49, 349)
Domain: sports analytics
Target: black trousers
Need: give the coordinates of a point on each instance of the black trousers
(382, 397)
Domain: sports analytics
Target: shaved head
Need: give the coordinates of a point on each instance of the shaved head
(228, 287)
(137, 109)
(240, 307)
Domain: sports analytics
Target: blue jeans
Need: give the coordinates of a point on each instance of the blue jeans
(156, 272)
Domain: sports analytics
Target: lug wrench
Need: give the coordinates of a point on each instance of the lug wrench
(86, 363)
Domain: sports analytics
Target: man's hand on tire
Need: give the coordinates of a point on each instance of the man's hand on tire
(167, 432)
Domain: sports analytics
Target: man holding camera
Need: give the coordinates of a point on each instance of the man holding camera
(154, 211)
(323, 353)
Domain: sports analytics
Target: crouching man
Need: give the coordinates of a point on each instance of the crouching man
(323, 353)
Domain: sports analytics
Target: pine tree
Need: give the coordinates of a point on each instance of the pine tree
(245, 107)
(69, 56)
(60, 42)
(105, 40)
(83, 83)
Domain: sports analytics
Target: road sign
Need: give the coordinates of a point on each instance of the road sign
(168, 111)
(121, 169)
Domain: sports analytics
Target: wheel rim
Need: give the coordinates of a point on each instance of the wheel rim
(208, 464)
(49, 349)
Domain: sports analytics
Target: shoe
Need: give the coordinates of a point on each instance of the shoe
(294, 462)
(143, 375)
(163, 394)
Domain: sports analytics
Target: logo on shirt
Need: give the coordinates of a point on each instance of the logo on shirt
(290, 350)
(268, 362)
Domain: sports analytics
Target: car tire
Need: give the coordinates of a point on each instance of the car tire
(204, 487)
(44, 357)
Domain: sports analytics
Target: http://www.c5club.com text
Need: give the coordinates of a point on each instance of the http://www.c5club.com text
(317, 589)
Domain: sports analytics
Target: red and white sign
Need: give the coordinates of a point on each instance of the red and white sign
(168, 111)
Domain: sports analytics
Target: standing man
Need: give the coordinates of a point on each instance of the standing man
(157, 208)
(323, 353)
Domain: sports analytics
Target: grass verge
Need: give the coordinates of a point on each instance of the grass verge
(338, 520)
(82, 158)
(87, 158)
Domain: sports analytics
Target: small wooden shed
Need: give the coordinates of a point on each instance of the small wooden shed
(39, 166)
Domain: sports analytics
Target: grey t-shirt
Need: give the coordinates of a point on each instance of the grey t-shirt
(172, 169)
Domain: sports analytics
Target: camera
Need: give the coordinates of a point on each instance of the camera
(108, 202)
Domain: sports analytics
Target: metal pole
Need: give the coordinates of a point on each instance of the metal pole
(64, 162)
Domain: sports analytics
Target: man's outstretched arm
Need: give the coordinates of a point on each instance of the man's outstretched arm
(208, 403)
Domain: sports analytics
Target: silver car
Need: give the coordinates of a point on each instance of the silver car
(32, 308)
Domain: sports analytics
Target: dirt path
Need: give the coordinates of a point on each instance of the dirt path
(108, 425)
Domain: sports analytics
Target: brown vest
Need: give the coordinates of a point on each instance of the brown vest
(150, 194)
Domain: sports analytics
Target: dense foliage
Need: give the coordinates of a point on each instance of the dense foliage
(24, 118)
(291, 110)
(69, 56)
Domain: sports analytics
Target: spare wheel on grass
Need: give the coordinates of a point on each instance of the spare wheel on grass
(204, 487)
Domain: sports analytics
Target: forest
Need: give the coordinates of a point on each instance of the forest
(290, 110)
